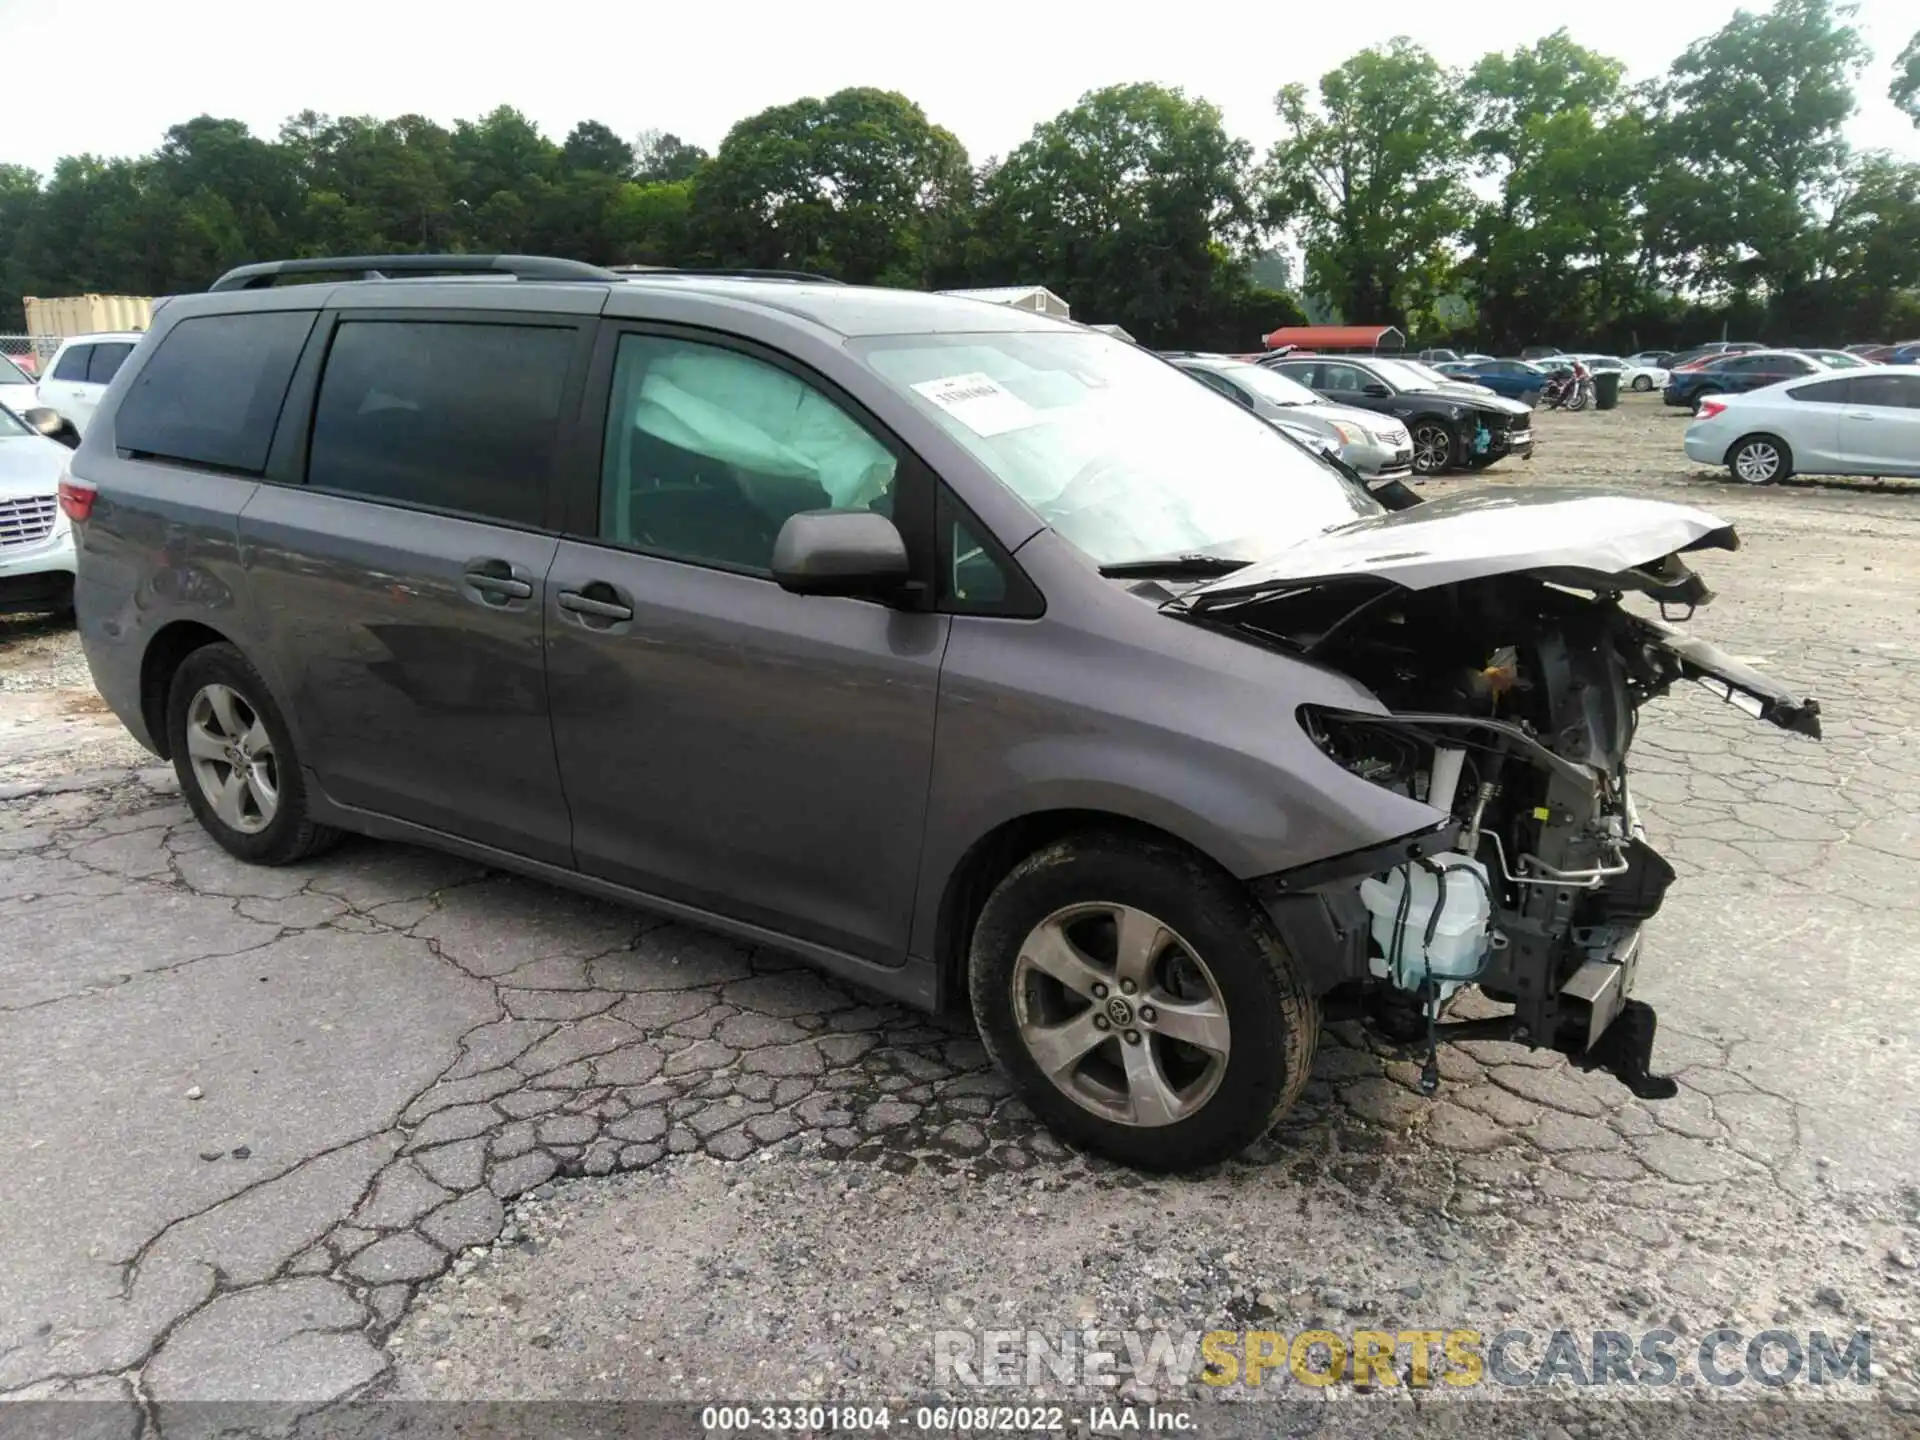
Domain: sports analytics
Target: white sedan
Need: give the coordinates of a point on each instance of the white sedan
(1855, 422)
(1632, 376)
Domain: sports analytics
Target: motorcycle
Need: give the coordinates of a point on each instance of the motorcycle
(1569, 387)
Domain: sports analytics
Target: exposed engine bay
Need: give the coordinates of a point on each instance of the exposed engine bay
(1513, 700)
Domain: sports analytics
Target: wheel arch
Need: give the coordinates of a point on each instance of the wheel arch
(990, 858)
(166, 652)
(1777, 441)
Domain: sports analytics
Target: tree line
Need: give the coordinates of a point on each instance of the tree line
(1536, 195)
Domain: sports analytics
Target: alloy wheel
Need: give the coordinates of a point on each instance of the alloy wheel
(1121, 1014)
(233, 758)
(1643, 383)
(1432, 448)
(1757, 462)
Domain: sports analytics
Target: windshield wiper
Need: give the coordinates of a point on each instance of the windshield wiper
(1174, 567)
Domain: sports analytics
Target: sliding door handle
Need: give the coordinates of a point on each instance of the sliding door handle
(580, 602)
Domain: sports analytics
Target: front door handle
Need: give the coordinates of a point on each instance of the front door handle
(596, 604)
(495, 582)
(1859, 415)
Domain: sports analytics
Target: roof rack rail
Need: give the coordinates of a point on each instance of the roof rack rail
(378, 267)
(725, 272)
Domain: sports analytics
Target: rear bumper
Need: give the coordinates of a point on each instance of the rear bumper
(1707, 449)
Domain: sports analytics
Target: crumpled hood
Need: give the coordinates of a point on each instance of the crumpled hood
(1571, 536)
(1481, 396)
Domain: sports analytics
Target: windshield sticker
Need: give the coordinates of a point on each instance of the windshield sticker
(979, 402)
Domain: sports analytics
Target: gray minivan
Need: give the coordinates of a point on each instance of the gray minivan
(976, 656)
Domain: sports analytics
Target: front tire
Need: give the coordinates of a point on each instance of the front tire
(1760, 460)
(1432, 447)
(236, 762)
(1643, 383)
(1141, 1001)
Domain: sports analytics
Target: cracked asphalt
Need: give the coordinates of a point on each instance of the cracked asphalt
(388, 1124)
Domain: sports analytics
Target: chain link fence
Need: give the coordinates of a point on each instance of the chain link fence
(30, 352)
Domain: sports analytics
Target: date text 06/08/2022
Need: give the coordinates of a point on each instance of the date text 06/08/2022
(726, 1420)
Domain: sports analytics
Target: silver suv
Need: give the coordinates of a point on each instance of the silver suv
(978, 657)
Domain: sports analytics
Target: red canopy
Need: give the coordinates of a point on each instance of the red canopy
(1337, 337)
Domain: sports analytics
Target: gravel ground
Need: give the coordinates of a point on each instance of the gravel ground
(728, 1180)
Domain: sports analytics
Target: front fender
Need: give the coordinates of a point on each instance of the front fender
(1191, 731)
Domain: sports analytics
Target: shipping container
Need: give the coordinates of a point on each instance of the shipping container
(64, 315)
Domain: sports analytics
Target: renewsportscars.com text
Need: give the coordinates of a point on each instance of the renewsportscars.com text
(1096, 1359)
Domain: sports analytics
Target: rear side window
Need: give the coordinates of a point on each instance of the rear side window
(106, 362)
(211, 394)
(73, 364)
(1826, 392)
(442, 414)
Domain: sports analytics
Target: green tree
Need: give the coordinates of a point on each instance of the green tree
(649, 224)
(1374, 177)
(1554, 255)
(1132, 206)
(1873, 244)
(593, 146)
(1905, 90)
(859, 185)
(505, 175)
(1752, 147)
(374, 186)
(659, 156)
(19, 198)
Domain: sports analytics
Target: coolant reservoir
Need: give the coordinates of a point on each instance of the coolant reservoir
(1446, 894)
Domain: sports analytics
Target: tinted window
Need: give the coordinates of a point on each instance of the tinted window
(1826, 392)
(211, 394)
(709, 451)
(107, 360)
(440, 414)
(1897, 391)
(73, 364)
(1344, 377)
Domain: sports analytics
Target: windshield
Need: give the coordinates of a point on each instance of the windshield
(10, 427)
(1116, 449)
(1270, 384)
(1407, 374)
(12, 374)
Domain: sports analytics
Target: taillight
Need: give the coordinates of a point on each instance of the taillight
(76, 499)
(1711, 408)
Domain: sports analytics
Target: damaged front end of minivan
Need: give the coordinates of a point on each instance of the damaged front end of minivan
(1496, 635)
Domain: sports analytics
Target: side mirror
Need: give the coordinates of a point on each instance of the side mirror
(52, 424)
(1376, 390)
(839, 552)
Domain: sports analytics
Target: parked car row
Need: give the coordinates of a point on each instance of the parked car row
(1453, 424)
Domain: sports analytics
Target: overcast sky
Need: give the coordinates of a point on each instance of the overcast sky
(988, 70)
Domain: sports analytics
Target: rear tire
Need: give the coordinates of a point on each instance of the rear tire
(1643, 383)
(236, 761)
(1098, 1061)
(1760, 460)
